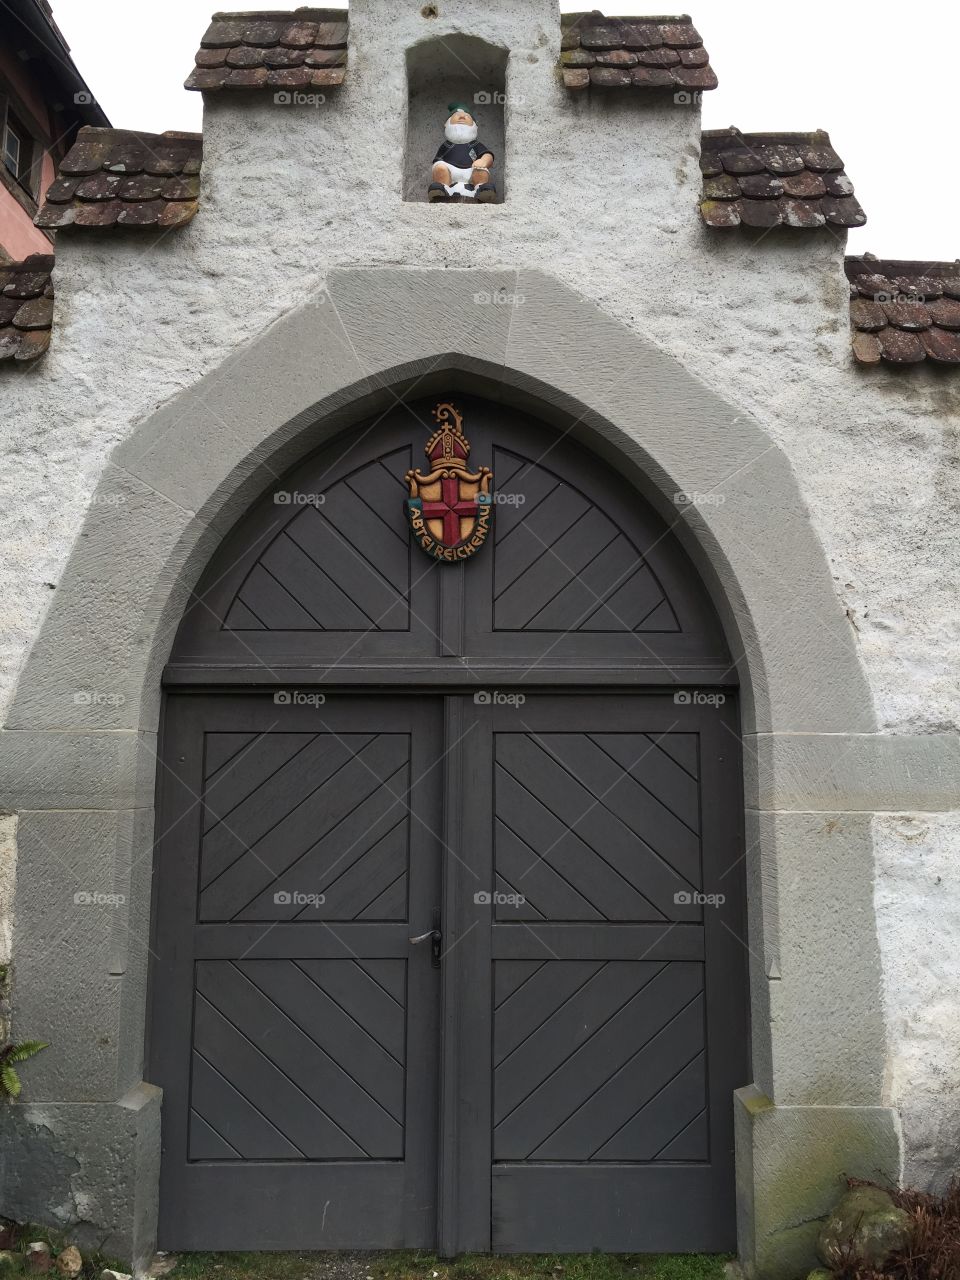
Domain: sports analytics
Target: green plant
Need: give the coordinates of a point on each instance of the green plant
(12, 1053)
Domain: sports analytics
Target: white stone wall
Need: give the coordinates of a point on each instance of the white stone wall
(603, 193)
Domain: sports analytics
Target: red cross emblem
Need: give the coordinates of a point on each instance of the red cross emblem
(450, 507)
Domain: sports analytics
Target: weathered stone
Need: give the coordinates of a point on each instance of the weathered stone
(801, 213)
(280, 57)
(261, 33)
(578, 58)
(741, 161)
(35, 314)
(722, 187)
(610, 77)
(760, 186)
(942, 346)
(33, 343)
(299, 35)
(945, 312)
(99, 186)
(760, 213)
(659, 57)
(867, 315)
(804, 185)
(244, 56)
(576, 77)
(221, 35)
(865, 1230)
(326, 58)
(651, 77)
(39, 1259)
(695, 77)
(617, 58)
(907, 315)
(69, 1262)
(720, 213)
(210, 57)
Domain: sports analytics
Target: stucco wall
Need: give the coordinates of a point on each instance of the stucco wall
(602, 194)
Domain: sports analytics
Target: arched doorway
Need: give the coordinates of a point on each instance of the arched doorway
(529, 759)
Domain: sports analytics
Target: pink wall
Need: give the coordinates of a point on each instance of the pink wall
(18, 236)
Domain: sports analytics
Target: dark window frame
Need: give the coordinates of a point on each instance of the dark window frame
(25, 185)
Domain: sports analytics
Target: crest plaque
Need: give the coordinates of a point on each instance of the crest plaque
(450, 508)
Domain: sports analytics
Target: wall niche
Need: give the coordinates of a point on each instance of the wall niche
(453, 68)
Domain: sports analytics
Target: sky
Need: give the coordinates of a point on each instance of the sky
(880, 78)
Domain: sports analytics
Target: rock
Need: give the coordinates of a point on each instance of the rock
(864, 1230)
(69, 1262)
(39, 1258)
(114, 1275)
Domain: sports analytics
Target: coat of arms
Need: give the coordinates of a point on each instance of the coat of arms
(450, 508)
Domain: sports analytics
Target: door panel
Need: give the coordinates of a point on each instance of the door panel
(594, 828)
(295, 1030)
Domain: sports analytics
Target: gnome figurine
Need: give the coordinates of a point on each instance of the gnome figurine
(461, 168)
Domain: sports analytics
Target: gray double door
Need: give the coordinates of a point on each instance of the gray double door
(549, 1068)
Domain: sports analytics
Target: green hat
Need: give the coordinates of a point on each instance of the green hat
(458, 106)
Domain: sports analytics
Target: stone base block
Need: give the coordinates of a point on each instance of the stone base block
(88, 1169)
(792, 1166)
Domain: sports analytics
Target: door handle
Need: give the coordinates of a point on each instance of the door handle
(435, 938)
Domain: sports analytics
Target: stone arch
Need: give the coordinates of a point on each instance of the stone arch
(82, 769)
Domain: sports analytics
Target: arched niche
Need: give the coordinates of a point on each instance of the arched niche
(457, 68)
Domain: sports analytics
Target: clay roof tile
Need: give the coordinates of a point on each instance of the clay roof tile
(26, 309)
(904, 312)
(798, 176)
(118, 177)
(669, 51)
(243, 51)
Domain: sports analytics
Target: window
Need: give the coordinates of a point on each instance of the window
(17, 150)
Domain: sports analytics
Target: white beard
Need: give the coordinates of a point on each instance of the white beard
(461, 132)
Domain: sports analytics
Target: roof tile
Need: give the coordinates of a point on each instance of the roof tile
(670, 52)
(798, 175)
(245, 51)
(26, 308)
(116, 177)
(904, 311)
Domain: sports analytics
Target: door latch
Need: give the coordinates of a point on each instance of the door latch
(435, 938)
